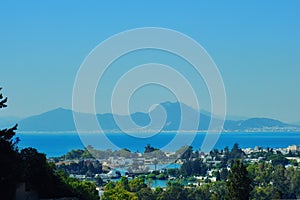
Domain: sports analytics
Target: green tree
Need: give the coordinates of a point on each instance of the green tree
(124, 183)
(99, 181)
(218, 176)
(31, 167)
(83, 190)
(202, 192)
(38, 174)
(278, 159)
(217, 190)
(149, 149)
(117, 191)
(173, 172)
(294, 182)
(236, 152)
(279, 181)
(260, 173)
(266, 192)
(224, 174)
(137, 184)
(193, 167)
(146, 194)
(86, 154)
(10, 172)
(74, 154)
(188, 152)
(174, 191)
(238, 184)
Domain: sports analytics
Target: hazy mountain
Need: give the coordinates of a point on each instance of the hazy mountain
(54, 120)
(62, 120)
(256, 123)
(228, 117)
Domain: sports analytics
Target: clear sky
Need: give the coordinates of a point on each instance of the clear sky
(255, 44)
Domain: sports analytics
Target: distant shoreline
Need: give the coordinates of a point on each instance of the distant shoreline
(172, 132)
(58, 143)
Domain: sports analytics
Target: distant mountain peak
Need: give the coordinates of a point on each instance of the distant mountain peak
(61, 119)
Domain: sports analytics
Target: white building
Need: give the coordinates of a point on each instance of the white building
(293, 148)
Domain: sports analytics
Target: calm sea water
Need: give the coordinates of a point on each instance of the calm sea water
(56, 144)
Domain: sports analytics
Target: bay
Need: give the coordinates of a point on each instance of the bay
(57, 144)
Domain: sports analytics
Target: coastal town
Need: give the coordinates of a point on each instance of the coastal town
(191, 168)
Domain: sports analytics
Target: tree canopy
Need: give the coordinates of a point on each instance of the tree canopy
(238, 184)
(31, 167)
(10, 171)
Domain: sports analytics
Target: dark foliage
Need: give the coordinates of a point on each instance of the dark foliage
(31, 167)
(238, 184)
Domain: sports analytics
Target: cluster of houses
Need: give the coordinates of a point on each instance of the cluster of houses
(291, 148)
(140, 164)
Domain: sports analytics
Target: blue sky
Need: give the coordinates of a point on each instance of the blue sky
(255, 44)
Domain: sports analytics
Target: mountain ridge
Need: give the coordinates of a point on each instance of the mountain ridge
(61, 119)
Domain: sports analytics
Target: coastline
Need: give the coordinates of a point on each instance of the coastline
(169, 131)
(58, 143)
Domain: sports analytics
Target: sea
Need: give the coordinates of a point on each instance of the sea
(57, 144)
